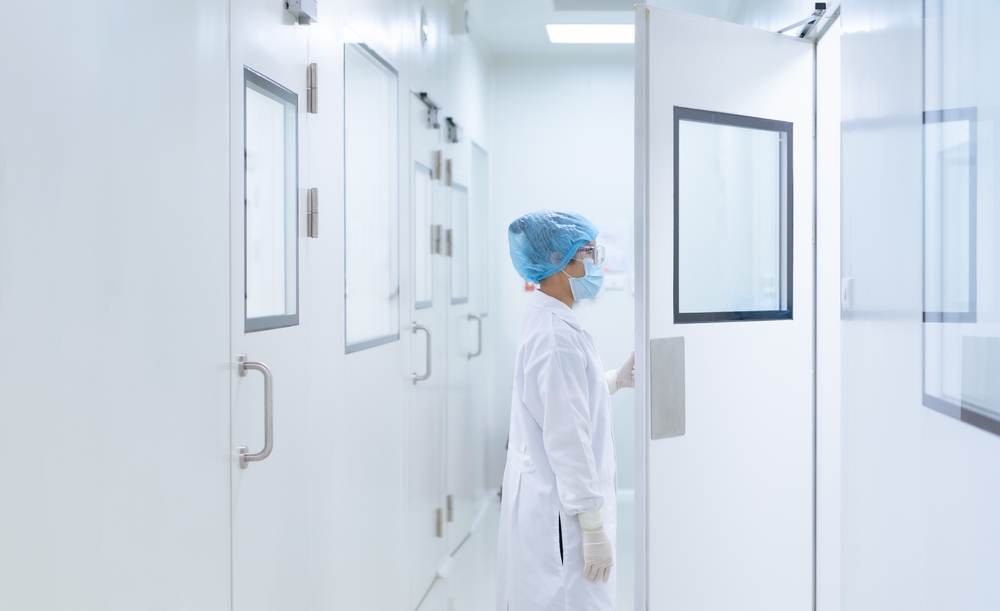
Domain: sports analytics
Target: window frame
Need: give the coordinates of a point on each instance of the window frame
(451, 263)
(365, 344)
(267, 323)
(952, 115)
(733, 120)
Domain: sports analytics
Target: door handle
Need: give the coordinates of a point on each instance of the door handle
(420, 378)
(245, 456)
(479, 335)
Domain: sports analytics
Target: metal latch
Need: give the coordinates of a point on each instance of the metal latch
(447, 172)
(312, 212)
(451, 508)
(312, 91)
(439, 522)
(303, 10)
(455, 130)
(447, 250)
(432, 110)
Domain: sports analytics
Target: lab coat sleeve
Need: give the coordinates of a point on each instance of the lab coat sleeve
(562, 410)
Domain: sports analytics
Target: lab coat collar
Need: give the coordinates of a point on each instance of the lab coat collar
(550, 304)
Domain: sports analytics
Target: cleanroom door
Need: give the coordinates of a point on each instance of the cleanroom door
(428, 353)
(724, 201)
(269, 409)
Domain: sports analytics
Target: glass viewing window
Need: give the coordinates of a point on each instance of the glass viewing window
(459, 244)
(732, 217)
(371, 200)
(270, 137)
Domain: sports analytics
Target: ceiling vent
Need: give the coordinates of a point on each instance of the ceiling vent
(594, 5)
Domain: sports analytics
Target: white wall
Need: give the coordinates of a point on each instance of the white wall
(920, 495)
(562, 139)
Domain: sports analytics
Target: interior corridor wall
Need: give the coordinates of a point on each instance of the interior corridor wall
(562, 139)
(920, 498)
(361, 405)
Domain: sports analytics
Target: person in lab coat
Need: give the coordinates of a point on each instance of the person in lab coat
(558, 514)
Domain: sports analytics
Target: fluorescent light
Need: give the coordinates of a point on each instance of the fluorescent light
(601, 33)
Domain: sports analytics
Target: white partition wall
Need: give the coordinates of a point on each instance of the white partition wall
(114, 301)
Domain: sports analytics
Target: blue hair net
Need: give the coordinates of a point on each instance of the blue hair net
(543, 242)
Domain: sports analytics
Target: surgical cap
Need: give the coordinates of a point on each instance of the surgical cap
(542, 243)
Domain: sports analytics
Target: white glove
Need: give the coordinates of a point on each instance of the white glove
(598, 555)
(624, 377)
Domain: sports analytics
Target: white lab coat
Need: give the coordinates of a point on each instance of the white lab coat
(560, 462)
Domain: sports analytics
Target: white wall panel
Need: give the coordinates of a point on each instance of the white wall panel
(919, 494)
(114, 307)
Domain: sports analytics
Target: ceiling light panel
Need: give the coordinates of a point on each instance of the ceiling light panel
(591, 33)
(593, 5)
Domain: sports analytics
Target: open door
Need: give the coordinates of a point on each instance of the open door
(724, 298)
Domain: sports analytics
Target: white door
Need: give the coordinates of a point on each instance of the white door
(428, 354)
(464, 344)
(270, 483)
(724, 199)
(114, 302)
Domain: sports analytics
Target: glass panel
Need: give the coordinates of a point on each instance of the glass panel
(459, 244)
(371, 200)
(271, 190)
(961, 265)
(479, 232)
(423, 238)
(732, 217)
(949, 215)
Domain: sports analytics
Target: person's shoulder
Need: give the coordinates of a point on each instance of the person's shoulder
(545, 332)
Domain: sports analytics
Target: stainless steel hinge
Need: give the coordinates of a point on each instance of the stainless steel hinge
(447, 247)
(435, 239)
(436, 162)
(439, 523)
(451, 508)
(447, 172)
(312, 90)
(312, 213)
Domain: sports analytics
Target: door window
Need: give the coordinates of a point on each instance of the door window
(371, 199)
(270, 116)
(425, 238)
(950, 215)
(732, 217)
(459, 244)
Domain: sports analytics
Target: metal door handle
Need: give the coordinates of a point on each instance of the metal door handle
(479, 335)
(245, 456)
(427, 374)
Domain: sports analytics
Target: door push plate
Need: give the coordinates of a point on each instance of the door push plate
(666, 387)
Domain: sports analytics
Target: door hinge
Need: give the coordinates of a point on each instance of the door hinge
(435, 239)
(312, 90)
(439, 523)
(447, 172)
(451, 508)
(436, 162)
(312, 213)
(447, 247)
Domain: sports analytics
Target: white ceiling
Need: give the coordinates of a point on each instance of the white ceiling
(516, 28)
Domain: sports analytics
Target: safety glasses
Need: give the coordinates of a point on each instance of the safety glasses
(593, 253)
